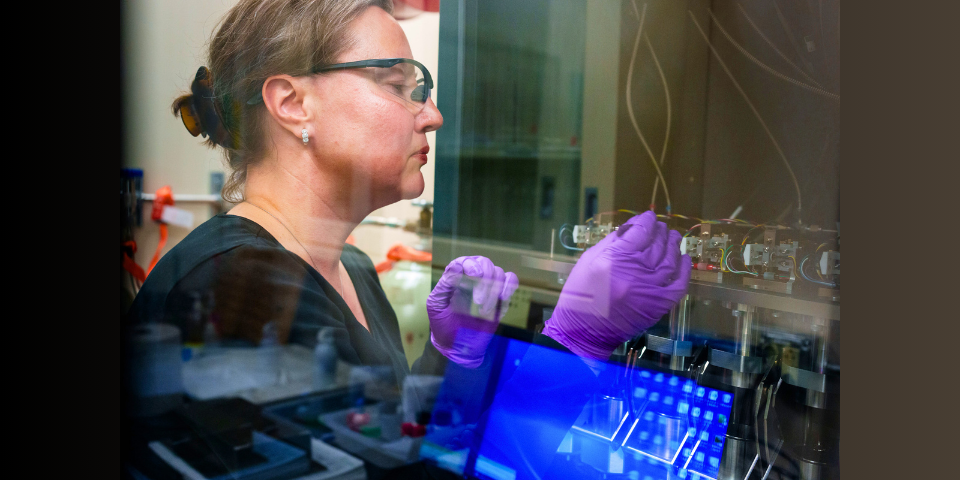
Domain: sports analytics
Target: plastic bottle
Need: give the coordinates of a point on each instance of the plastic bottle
(407, 285)
(325, 361)
(390, 421)
(211, 340)
(269, 355)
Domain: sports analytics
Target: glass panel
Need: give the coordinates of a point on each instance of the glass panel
(566, 118)
(562, 119)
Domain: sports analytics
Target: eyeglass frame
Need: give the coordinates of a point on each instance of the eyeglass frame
(377, 62)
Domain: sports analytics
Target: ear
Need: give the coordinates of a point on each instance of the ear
(284, 97)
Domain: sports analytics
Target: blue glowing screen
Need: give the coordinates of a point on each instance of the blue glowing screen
(532, 416)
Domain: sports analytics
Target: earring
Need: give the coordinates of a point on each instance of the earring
(305, 135)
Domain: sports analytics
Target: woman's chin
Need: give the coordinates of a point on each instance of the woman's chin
(413, 189)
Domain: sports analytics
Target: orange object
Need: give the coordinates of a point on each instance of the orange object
(164, 197)
(402, 252)
(130, 247)
(384, 266)
(163, 242)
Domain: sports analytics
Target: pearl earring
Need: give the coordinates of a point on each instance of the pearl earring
(305, 135)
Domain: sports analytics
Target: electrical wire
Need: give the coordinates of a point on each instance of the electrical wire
(720, 221)
(633, 118)
(819, 275)
(756, 113)
(805, 277)
(623, 210)
(727, 262)
(560, 236)
(771, 71)
(747, 235)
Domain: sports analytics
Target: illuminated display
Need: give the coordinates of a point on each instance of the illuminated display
(640, 420)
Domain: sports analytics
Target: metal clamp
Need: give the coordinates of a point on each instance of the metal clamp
(736, 363)
(677, 348)
(804, 378)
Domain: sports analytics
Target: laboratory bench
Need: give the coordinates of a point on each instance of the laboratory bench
(229, 422)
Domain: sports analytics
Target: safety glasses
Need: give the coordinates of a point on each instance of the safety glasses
(403, 78)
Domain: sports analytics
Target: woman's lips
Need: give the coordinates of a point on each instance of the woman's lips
(422, 154)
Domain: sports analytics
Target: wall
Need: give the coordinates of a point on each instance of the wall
(164, 44)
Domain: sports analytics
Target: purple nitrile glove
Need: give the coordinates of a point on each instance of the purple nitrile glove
(458, 335)
(619, 288)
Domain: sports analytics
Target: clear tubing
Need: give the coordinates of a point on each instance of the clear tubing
(791, 37)
(817, 90)
(775, 49)
(633, 118)
(666, 136)
(754, 109)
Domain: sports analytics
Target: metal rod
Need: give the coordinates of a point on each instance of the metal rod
(680, 319)
(745, 329)
(553, 236)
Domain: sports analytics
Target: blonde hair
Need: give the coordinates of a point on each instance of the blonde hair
(255, 40)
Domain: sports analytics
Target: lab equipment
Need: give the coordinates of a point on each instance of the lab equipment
(571, 118)
(225, 438)
(619, 288)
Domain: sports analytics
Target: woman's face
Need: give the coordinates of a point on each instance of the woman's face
(372, 139)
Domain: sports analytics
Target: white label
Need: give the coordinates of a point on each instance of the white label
(176, 216)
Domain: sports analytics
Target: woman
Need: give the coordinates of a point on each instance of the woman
(322, 116)
(315, 142)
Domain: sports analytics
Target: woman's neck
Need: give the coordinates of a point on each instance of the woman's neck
(301, 211)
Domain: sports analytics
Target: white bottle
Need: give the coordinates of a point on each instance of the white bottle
(269, 355)
(324, 361)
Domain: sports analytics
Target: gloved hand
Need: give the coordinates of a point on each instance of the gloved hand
(458, 335)
(619, 288)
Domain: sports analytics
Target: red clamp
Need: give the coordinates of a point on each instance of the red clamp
(163, 197)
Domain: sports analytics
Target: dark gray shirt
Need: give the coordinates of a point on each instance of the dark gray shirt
(231, 271)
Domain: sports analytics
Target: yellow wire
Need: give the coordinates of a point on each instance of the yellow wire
(744, 242)
(815, 252)
(702, 221)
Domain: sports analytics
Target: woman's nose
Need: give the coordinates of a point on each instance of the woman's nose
(429, 119)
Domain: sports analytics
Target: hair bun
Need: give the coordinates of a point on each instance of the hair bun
(205, 106)
(199, 111)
